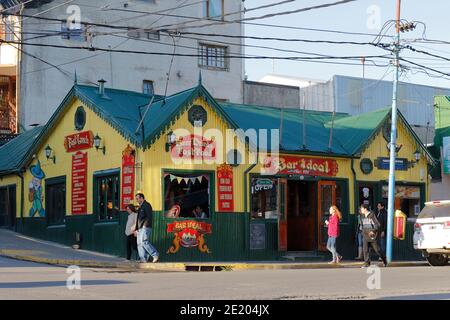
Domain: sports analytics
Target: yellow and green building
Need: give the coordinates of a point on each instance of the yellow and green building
(69, 181)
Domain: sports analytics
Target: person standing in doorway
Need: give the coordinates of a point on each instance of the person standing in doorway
(333, 233)
(382, 218)
(144, 230)
(129, 230)
(371, 230)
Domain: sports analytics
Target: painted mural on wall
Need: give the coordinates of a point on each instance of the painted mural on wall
(35, 193)
(189, 234)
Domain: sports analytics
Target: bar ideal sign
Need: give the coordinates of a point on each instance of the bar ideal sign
(300, 165)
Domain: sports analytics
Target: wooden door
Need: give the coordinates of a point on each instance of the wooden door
(282, 214)
(327, 198)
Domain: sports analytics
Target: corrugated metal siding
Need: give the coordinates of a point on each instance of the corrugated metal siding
(356, 95)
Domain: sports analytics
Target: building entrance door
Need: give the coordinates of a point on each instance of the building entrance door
(301, 212)
(326, 198)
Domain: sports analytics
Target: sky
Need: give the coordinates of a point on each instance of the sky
(365, 16)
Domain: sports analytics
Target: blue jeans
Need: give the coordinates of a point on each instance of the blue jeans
(382, 243)
(331, 246)
(360, 240)
(145, 248)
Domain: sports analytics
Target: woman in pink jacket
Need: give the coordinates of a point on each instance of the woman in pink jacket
(333, 233)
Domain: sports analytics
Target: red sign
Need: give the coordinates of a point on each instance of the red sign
(300, 165)
(225, 188)
(189, 234)
(79, 183)
(128, 176)
(79, 141)
(193, 147)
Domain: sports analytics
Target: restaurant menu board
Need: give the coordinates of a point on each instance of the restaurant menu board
(257, 236)
(79, 181)
(128, 176)
(225, 188)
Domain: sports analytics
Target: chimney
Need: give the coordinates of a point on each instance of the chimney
(101, 87)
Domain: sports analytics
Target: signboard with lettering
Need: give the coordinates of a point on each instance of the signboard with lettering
(225, 188)
(189, 234)
(400, 164)
(128, 176)
(257, 236)
(79, 141)
(193, 147)
(79, 183)
(300, 166)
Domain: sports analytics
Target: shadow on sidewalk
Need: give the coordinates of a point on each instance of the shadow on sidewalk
(46, 284)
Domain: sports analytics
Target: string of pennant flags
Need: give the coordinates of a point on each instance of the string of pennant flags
(187, 179)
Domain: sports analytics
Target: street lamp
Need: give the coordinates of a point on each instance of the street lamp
(48, 153)
(171, 139)
(97, 141)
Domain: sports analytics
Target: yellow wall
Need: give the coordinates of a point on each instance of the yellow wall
(378, 148)
(156, 159)
(13, 180)
(113, 141)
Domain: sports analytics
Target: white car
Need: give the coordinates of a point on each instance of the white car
(432, 232)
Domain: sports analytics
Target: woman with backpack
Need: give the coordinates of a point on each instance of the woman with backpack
(370, 230)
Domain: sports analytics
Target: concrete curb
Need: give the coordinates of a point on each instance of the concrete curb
(185, 267)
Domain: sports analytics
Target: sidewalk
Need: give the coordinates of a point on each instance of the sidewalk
(17, 246)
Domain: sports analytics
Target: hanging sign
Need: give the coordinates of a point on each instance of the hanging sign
(79, 183)
(128, 176)
(225, 188)
(401, 164)
(399, 225)
(79, 141)
(300, 165)
(189, 234)
(193, 147)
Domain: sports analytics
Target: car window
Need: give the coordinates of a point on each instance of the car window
(435, 211)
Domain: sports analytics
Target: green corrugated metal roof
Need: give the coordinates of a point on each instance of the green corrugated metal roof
(120, 109)
(15, 153)
(349, 132)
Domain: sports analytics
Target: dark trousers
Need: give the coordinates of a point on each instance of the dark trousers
(375, 247)
(131, 245)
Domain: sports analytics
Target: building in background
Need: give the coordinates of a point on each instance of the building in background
(47, 72)
(355, 96)
(8, 77)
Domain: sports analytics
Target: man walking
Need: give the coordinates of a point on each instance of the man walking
(382, 218)
(144, 230)
(371, 230)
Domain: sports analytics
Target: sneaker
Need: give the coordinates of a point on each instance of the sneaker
(385, 264)
(155, 259)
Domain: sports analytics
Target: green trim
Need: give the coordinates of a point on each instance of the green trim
(212, 183)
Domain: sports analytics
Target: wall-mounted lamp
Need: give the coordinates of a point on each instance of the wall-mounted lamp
(97, 141)
(416, 159)
(171, 139)
(49, 152)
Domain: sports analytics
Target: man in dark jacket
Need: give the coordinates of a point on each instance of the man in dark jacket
(382, 218)
(371, 229)
(144, 230)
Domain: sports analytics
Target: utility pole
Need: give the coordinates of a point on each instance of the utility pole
(393, 143)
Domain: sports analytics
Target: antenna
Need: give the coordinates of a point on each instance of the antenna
(141, 122)
(171, 63)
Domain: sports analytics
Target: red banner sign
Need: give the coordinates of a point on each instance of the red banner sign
(79, 183)
(128, 176)
(225, 188)
(300, 165)
(193, 147)
(79, 141)
(189, 234)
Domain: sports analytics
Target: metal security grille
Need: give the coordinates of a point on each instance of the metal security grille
(212, 56)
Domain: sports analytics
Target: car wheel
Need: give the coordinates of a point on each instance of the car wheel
(437, 259)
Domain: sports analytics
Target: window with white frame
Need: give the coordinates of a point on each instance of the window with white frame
(147, 87)
(213, 9)
(213, 56)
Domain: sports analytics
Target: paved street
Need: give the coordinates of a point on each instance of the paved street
(26, 280)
